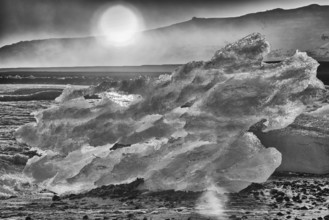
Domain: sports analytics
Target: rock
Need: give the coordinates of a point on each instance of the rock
(287, 199)
(130, 216)
(56, 198)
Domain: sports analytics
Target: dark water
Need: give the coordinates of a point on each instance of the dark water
(13, 115)
(30, 92)
(79, 75)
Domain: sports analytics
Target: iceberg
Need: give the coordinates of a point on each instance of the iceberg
(184, 131)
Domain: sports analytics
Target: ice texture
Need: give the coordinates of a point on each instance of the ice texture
(303, 144)
(184, 131)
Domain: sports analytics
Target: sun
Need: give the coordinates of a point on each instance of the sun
(119, 25)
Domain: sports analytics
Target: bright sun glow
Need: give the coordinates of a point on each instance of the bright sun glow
(119, 25)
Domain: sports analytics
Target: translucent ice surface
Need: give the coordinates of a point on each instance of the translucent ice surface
(182, 131)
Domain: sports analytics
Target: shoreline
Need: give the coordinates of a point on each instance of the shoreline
(282, 196)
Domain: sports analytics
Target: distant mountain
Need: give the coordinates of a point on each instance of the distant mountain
(306, 29)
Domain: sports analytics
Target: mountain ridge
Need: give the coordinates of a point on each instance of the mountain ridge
(195, 39)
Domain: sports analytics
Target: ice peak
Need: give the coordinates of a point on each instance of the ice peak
(248, 51)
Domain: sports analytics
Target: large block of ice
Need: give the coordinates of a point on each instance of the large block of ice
(185, 131)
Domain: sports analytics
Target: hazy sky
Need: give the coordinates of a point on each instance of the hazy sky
(36, 19)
